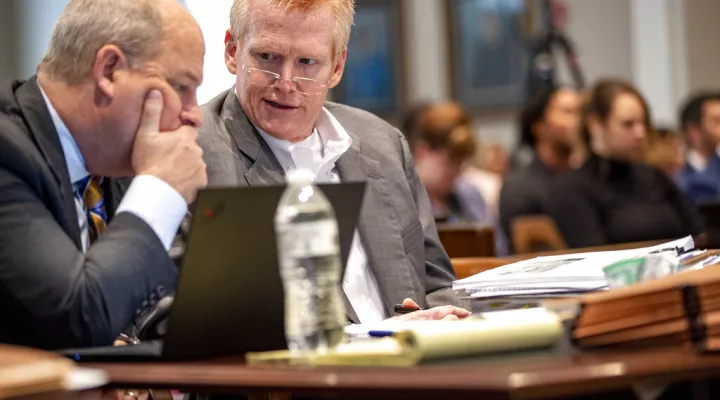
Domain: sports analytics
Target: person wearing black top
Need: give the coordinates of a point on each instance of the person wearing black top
(548, 124)
(613, 198)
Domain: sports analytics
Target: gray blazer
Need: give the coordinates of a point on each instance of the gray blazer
(396, 225)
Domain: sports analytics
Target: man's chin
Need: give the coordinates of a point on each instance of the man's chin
(280, 132)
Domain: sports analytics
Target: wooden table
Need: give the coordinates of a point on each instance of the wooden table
(524, 375)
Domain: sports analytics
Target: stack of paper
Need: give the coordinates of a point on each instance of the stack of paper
(525, 284)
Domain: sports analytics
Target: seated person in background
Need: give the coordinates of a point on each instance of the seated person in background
(549, 124)
(286, 54)
(441, 145)
(613, 198)
(666, 151)
(114, 97)
(699, 179)
(486, 173)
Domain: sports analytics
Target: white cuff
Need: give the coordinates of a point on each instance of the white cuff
(158, 204)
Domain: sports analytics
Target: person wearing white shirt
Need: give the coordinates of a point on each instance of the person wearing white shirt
(112, 99)
(286, 55)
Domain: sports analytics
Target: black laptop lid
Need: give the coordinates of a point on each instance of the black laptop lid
(230, 297)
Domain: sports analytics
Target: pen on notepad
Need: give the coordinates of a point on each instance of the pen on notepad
(400, 309)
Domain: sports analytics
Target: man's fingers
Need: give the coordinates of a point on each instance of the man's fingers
(152, 113)
(410, 303)
(444, 311)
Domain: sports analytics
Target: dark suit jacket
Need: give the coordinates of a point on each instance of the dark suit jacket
(396, 225)
(51, 294)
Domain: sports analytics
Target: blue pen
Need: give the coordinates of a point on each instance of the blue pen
(380, 334)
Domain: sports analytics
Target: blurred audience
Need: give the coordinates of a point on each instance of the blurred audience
(442, 143)
(486, 174)
(699, 178)
(613, 198)
(666, 151)
(549, 125)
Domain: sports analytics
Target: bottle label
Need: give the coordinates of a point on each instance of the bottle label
(309, 239)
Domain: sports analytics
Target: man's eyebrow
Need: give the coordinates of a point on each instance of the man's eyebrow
(194, 78)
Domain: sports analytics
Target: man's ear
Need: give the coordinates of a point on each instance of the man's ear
(109, 61)
(231, 48)
(339, 69)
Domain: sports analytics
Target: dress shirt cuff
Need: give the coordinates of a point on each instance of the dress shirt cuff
(158, 204)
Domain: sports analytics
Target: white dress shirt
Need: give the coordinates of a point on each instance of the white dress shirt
(148, 197)
(319, 153)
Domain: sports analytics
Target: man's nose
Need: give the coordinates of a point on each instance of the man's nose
(285, 85)
(192, 117)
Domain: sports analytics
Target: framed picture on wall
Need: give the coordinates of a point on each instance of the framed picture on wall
(374, 77)
(489, 56)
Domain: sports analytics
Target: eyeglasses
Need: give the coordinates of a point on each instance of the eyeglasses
(269, 79)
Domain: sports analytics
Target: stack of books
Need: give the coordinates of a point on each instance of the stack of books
(677, 309)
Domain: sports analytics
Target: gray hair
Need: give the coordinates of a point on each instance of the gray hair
(85, 26)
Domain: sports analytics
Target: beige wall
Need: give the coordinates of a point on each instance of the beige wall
(702, 24)
(601, 31)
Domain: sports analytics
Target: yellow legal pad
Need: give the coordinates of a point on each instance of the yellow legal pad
(419, 341)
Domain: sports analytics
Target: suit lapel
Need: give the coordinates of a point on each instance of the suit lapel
(113, 192)
(265, 169)
(45, 135)
(375, 220)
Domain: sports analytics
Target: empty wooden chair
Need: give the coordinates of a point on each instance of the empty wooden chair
(467, 240)
(536, 233)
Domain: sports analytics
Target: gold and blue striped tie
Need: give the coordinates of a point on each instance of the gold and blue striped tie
(91, 194)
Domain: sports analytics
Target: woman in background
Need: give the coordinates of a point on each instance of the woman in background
(442, 143)
(614, 198)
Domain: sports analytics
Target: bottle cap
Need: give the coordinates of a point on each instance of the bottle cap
(300, 176)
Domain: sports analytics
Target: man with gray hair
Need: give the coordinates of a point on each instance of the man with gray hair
(114, 97)
(286, 54)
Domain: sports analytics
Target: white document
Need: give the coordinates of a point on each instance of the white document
(556, 274)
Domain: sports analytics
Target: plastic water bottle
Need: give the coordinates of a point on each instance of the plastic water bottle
(310, 267)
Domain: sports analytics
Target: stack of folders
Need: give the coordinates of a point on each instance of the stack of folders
(529, 283)
(408, 343)
(679, 309)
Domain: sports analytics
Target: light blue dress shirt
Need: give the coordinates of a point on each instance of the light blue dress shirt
(148, 197)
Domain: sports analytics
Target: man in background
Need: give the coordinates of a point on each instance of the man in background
(700, 120)
(286, 55)
(114, 97)
(549, 126)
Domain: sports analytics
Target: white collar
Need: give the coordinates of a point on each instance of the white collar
(329, 140)
(73, 157)
(696, 161)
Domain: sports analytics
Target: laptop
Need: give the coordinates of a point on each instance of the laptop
(230, 298)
